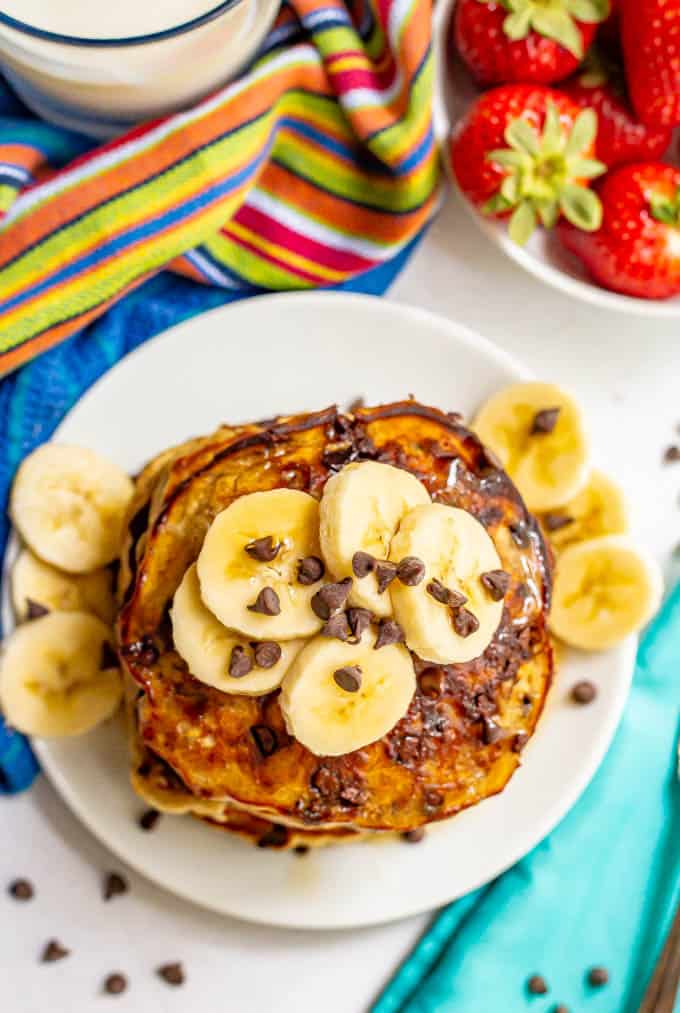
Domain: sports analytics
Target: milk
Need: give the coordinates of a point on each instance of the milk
(104, 89)
(102, 19)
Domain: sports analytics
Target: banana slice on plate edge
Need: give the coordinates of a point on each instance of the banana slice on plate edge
(604, 590)
(39, 587)
(538, 432)
(68, 504)
(59, 675)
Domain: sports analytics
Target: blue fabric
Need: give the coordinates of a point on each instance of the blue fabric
(601, 890)
(34, 400)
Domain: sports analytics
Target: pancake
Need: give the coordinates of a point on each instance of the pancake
(462, 737)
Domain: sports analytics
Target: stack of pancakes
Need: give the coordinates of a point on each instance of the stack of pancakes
(230, 759)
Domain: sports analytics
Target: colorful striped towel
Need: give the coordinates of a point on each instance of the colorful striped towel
(318, 164)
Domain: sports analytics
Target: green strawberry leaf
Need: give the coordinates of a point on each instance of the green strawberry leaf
(522, 223)
(508, 158)
(549, 213)
(581, 207)
(552, 138)
(521, 136)
(518, 24)
(583, 133)
(590, 11)
(495, 205)
(510, 189)
(586, 168)
(555, 23)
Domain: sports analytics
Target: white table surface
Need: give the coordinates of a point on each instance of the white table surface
(626, 372)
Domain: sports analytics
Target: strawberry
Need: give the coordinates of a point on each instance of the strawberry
(637, 249)
(621, 136)
(526, 151)
(650, 31)
(537, 41)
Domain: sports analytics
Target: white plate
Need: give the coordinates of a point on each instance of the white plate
(543, 256)
(288, 354)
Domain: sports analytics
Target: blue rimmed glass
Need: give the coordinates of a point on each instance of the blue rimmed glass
(132, 40)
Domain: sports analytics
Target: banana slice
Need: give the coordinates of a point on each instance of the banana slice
(208, 647)
(59, 675)
(604, 590)
(37, 586)
(68, 504)
(537, 431)
(250, 566)
(360, 510)
(450, 616)
(338, 697)
(598, 509)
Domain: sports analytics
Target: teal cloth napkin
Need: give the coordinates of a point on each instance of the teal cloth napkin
(600, 891)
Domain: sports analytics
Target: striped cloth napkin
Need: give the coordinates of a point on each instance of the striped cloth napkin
(316, 165)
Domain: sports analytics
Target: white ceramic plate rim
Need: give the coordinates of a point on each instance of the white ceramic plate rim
(315, 913)
(497, 231)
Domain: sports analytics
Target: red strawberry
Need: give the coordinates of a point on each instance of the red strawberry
(526, 151)
(621, 137)
(650, 30)
(637, 249)
(538, 41)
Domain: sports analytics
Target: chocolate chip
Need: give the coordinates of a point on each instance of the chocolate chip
(114, 885)
(263, 549)
(109, 657)
(389, 632)
(496, 582)
(561, 1008)
(359, 621)
(598, 976)
(240, 662)
(336, 455)
(385, 573)
(545, 421)
(537, 985)
(21, 889)
(276, 837)
(265, 739)
(414, 836)
(491, 732)
(357, 403)
(348, 678)
(520, 535)
(464, 622)
(267, 654)
(433, 800)
(671, 455)
(115, 984)
(519, 741)
(149, 819)
(583, 692)
(144, 651)
(310, 570)
(301, 849)
(173, 974)
(411, 571)
(330, 598)
(363, 563)
(337, 627)
(555, 521)
(442, 594)
(34, 610)
(267, 603)
(53, 951)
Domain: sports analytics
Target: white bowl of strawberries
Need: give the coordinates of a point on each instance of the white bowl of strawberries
(556, 123)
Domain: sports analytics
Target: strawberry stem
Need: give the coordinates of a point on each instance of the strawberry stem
(554, 19)
(544, 174)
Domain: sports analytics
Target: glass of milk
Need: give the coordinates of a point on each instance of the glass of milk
(100, 66)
